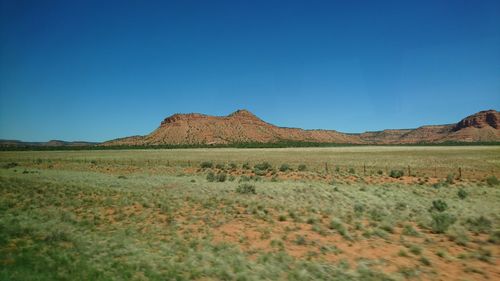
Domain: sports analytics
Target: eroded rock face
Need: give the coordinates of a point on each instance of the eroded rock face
(481, 119)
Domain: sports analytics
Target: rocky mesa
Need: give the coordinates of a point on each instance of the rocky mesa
(242, 126)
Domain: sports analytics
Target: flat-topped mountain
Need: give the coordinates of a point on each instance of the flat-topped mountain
(243, 126)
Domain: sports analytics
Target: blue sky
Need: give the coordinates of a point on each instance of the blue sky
(98, 70)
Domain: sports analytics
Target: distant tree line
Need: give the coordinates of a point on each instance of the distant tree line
(280, 144)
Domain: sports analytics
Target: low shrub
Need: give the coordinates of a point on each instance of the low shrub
(221, 177)
(244, 178)
(495, 237)
(206, 164)
(352, 171)
(479, 225)
(439, 205)
(396, 174)
(284, 167)
(416, 250)
(359, 208)
(408, 230)
(339, 227)
(492, 181)
(10, 165)
(260, 172)
(441, 222)
(246, 189)
(220, 166)
(264, 166)
(462, 194)
(211, 177)
(302, 167)
(300, 240)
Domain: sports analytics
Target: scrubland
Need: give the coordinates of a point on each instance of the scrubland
(347, 213)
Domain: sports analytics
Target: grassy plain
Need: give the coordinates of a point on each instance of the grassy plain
(223, 214)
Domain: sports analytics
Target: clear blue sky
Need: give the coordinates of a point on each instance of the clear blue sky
(98, 70)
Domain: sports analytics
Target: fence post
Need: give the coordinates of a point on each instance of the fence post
(326, 167)
(364, 169)
(409, 171)
(460, 172)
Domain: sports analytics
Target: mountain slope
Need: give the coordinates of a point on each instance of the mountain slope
(242, 126)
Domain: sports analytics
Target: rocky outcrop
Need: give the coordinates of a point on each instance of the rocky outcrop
(481, 119)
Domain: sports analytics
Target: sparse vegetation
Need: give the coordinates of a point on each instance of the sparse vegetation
(479, 224)
(158, 217)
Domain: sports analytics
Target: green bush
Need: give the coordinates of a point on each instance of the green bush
(210, 177)
(206, 164)
(492, 181)
(462, 194)
(220, 166)
(302, 167)
(396, 174)
(380, 172)
(246, 189)
(245, 166)
(284, 167)
(439, 205)
(221, 177)
(264, 166)
(352, 171)
(441, 222)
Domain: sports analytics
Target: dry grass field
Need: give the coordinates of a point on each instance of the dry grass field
(344, 213)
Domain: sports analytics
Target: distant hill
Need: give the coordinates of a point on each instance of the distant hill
(52, 143)
(242, 126)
